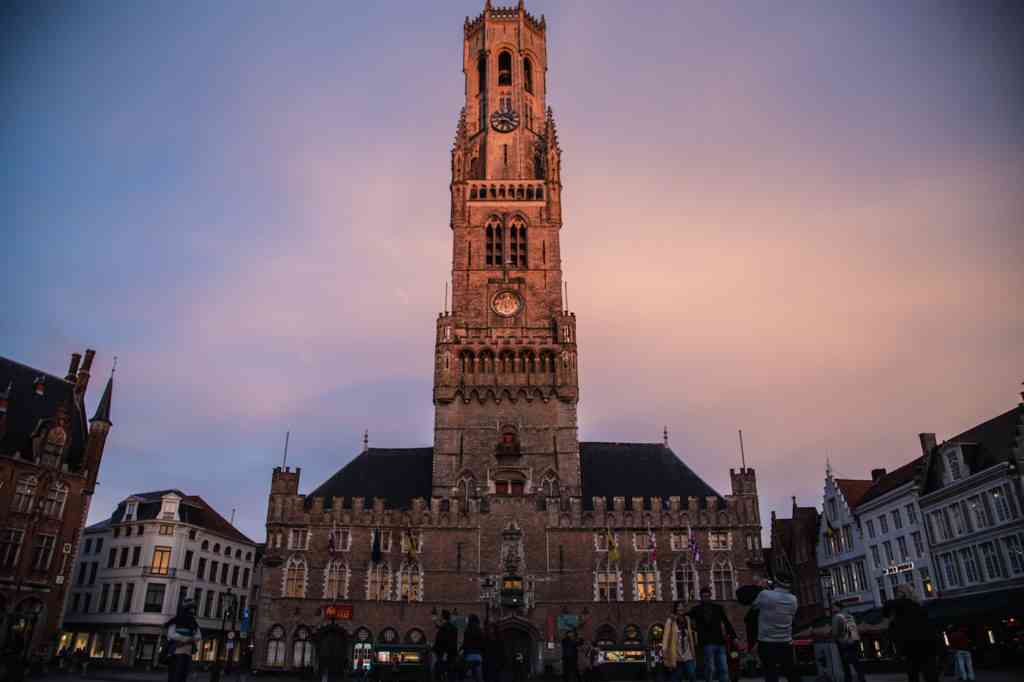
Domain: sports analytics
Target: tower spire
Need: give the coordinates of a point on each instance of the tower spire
(665, 436)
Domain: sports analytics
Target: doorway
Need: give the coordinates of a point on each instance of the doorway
(520, 653)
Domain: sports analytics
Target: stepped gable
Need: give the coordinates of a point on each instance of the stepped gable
(638, 470)
(853, 489)
(27, 411)
(892, 480)
(193, 510)
(397, 475)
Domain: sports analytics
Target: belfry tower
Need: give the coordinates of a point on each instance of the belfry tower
(505, 378)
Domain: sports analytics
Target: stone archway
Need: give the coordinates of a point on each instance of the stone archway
(522, 644)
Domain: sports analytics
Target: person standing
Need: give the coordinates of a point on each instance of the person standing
(914, 636)
(570, 657)
(677, 646)
(446, 647)
(585, 661)
(183, 634)
(473, 646)
(960, 645)
(776, 610)
(712, 627)
(847, 636)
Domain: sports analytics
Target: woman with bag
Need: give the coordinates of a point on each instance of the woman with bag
(677, 646)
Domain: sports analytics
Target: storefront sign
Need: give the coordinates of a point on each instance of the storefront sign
(900, 568)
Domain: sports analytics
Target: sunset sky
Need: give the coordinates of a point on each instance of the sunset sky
(801, 219)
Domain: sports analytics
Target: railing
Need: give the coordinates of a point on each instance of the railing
(505, 191)
(159, 570)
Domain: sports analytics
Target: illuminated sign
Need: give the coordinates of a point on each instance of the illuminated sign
(338, 612)
(900, 568)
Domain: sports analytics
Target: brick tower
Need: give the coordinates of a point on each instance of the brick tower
(505, 378)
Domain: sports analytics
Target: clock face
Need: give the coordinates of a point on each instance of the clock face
(506, 303)
(505, 121)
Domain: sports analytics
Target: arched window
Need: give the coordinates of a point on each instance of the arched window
(24, 493)
(378, 582)
(685, 583)
(336, 580)
(508, 361)
(302, 648)
(494, 249)
(607, 586)
(206, 545)
(510, 485)
(466, 362)
(721, 581)
(481, 72)
(227, 551)
(505, 68)
(410, 582)
(646, 581)
(216, 548)
(275, 646)
(549, 486)
(528, 74)
(487, 362)
(466, 489)
(295, 578)
(56, 496)
(517, 243)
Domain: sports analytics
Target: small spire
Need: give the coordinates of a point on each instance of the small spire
(665, 436)
(103, 409)
(366, 440)
(828, 467)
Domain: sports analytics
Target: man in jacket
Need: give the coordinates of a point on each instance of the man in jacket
(446, 647)
(677, 646)
(776, 610)
(712, 626)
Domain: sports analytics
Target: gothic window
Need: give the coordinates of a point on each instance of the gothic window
(466, 362)
(721, 580)
(466, 489)
(10, 547)
(685, 582)
(508, 362)
(410, 582)
(487, 362)
(528, 74)
(378, 582)
(494, 249)
(24, 494)
(302, 649)
(646, 581)
(505, 68)
(510, 485)
(550, 486)
(295, 578)
(275, 646)
(517, 243)
(336, 580)
(606, 583)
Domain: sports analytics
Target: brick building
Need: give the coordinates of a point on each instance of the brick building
(794, 549)
(507, 497)
(49, 458)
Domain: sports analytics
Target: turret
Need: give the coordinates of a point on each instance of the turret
(99, 428)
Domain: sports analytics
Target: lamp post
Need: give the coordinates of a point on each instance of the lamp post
(228, 612)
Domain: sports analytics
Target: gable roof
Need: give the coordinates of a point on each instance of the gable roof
(892, 480)
(192, 509)
(853, 489)
(399, 475)
(990, 443)
(26, 411)
(638, 470)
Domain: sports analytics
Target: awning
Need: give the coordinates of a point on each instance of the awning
(977, 608)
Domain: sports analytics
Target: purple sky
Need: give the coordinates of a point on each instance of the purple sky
(803, 220)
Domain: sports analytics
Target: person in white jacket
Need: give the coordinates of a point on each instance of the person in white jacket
(677, 646)
(183, 634)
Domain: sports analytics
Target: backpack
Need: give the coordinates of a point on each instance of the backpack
(849, 632)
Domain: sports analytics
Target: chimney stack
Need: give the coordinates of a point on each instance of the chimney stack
(877, 474)
(73, 367)
(928, 442)
(82, 380)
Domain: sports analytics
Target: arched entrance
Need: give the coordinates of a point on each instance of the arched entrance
(521, 643)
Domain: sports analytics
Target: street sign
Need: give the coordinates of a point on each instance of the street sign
(900, 568)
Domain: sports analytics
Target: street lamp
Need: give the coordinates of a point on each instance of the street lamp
(230, 611)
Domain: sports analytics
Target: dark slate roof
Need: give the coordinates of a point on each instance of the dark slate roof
(27, 412)
(192, 509)
(892, 480)
(98, 527)
(853, 489)
(398, 475)
(983, 446)
(103, 409)
(638, 470)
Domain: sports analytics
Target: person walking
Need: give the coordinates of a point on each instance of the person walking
(446, 648)
(914, 636)
(678, 650)
(570, 657)
(183, 635)
(847, 636)
(473, 646)
(712, 626)
(960, 645)
(776, 609)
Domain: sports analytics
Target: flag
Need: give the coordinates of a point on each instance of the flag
(375, 553)
(654, 547)
(694, 547)
(330, 542)
(410, 545)
(613, 549)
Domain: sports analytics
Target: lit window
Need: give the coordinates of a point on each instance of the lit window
(378, 582)
(606, 584)
(646, 581)
(336, 580)
(410, 582)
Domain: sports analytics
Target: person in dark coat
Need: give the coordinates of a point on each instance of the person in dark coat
(915, 637)
(446, 648)
(712, 626)
(570, 657)
(474, 644)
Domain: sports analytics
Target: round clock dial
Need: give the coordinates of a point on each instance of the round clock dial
(505, 121)
(506, 303)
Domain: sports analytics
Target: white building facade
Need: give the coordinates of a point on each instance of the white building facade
(841, 554)
(136, 568)
(895, 538)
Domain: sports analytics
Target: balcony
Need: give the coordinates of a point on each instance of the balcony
(159, 571)
(506, 190)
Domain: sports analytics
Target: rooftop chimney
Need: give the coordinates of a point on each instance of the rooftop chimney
(928, 442)
(877, 474)
(73, 367)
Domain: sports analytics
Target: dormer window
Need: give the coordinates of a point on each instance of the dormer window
(169, 508)
(954, 465)
(130, 509)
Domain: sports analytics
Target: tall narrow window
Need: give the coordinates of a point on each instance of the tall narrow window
(336, 580)
(24, 494)
(528, 74)
(495, 245)
(378, 582)
(606, 583)
(721, 580)
(481, 73)
(302, 649)
(275, 646)
(56, 496)
(505, 68)
(410, 582)
(685, 582)
(295, 578)
(646, 581)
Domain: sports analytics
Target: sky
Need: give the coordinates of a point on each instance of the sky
(803, 220)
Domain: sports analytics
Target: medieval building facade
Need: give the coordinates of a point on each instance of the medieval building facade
(50, 455)
(508, 515)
